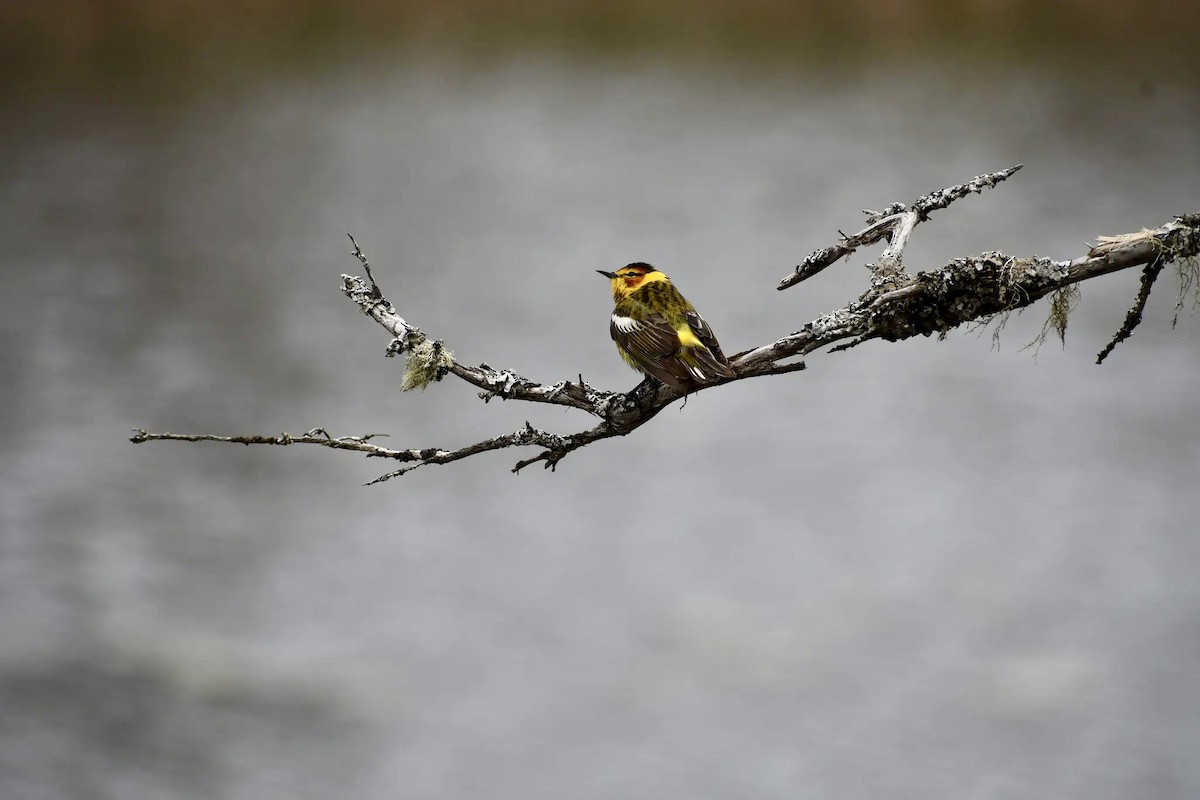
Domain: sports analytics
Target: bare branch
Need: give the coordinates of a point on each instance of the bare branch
(362, 258)
(317, 436)
(1133, 317)
(895, 306)
(494, 383)
(556, 447)
(895, 223)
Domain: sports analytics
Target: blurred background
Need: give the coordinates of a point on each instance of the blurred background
(925, 569)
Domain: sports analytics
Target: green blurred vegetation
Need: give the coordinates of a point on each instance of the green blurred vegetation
(136, 44)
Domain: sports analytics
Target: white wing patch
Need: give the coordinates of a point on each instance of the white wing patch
(625, 324)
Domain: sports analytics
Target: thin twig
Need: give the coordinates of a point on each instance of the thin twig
(1133, 317)
(358, 253)
(316, 436)
(882, 224)
(850, 344)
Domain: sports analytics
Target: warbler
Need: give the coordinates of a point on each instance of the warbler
(659, 333)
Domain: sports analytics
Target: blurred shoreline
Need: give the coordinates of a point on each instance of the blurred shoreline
(133, 47)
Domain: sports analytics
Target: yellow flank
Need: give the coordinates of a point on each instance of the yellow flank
(687, 338)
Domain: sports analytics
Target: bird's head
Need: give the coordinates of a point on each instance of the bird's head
(630, 277)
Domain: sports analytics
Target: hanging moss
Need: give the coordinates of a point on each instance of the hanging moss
(1062, 303)
(427, 362)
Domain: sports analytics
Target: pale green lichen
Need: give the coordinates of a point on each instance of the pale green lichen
(427, 362)
(1062, 303)
(1000, 318)
(1188, 269)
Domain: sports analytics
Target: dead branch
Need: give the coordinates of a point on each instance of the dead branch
(895, 223)
(1133, 317)
(895, 306)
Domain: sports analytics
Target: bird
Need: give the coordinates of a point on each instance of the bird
(659, 333)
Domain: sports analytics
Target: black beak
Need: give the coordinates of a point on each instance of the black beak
(609, 275)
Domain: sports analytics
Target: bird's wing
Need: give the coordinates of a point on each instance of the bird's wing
(709, 365)
(704, 333)
(654, 344)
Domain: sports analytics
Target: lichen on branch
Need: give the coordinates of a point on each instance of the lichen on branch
(427, 362)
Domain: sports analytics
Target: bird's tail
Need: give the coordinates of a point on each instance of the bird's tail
(704, 366)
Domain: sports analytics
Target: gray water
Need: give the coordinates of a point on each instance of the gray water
(917, 570)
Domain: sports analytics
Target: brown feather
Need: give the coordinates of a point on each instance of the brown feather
(653, 345)
(714, 360)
